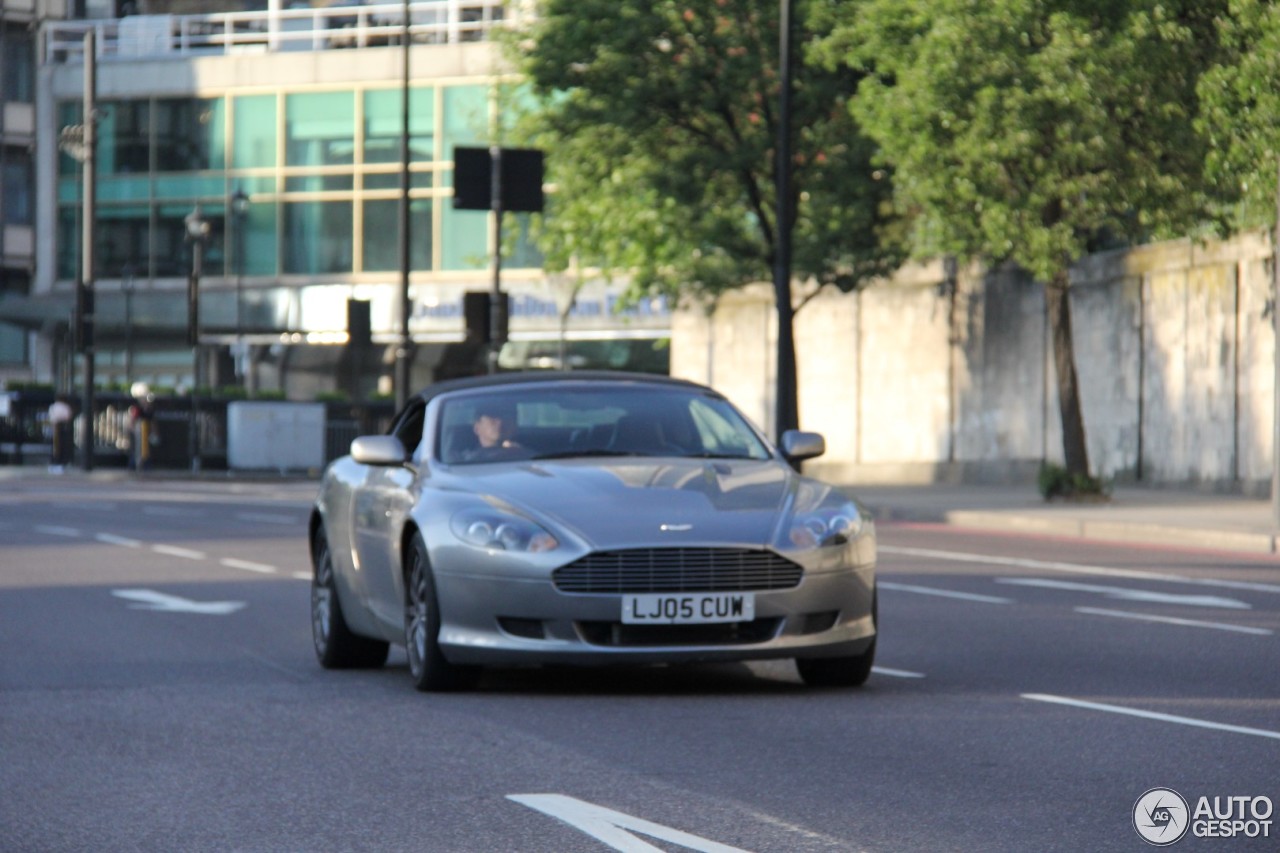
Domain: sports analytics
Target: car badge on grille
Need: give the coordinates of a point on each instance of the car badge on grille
(675, 528)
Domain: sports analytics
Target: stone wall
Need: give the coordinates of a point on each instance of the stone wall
(916, 378)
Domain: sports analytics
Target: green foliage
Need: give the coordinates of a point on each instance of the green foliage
(1240, 114)
(1054, 481)
(660, 121)
(29, 386)
(333, 397)
(1028, 130)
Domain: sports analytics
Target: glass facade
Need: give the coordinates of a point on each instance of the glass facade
(321, 170)
(18, 71)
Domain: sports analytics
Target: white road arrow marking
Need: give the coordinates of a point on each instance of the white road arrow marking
(611, 827)
(149, 599)
(1132, 594)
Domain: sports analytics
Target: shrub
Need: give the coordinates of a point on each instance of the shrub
(1057, 482)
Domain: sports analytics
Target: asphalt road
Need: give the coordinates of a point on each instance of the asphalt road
(158, 691)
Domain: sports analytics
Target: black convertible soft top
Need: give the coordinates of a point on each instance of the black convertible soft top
(537, 376)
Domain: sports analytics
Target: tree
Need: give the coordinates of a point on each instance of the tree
(1240, 113)
(1030, 130)
(660, 120)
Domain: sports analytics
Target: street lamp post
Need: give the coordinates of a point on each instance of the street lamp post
(198, 229)
(239, 208)
(126, 284)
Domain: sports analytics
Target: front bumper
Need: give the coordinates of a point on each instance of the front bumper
(506, 621)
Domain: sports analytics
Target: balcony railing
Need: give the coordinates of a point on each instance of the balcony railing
(227, 33)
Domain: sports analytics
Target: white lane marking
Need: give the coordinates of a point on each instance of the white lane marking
(112, 539)
(943, 593)
(168, 511)
(1150, 715)
(301, 576)
(53, 530)
(1077, 568)
(245, 565)
(149, 599)
(267, 518)
(896, 673)
(1170, 620)
(185, 553)
(610, 827)
(1132, 594)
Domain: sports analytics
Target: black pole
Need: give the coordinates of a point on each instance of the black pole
(404, 346)
(495, 261)
(786, 409)
(87, 261)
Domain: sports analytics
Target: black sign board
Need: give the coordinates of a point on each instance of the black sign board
(521, 179)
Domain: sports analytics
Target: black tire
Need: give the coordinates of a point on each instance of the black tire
(427, 665)
(336, 646)
(851, 671)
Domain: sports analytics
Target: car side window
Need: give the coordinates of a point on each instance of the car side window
(408, 427)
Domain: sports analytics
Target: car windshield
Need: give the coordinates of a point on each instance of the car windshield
(535, 421)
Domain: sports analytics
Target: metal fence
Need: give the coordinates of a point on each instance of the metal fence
(186, 433)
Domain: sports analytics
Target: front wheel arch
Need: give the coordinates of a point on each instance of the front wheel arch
(428, 667)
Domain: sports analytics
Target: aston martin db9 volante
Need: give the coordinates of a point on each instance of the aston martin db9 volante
(586, 518)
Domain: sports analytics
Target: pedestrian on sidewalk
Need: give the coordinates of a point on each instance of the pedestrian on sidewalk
(60, 421)
(141, 425)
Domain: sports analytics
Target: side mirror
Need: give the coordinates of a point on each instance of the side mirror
(798, 446)
(382, 450)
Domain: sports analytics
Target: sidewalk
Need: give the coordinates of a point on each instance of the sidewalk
(1159, 516)
(1145, 515)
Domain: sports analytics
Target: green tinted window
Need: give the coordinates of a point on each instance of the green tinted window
(381, 235)
(383, 120)
(261, 249)
(124, 138)
(255, 132)
(466, 117)
(465, 239)
(190, 134)
(317, 237)
(320, 129)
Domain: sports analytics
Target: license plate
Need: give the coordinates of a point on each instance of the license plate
(688, 608)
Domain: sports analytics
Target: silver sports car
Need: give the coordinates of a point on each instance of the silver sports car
(586, 518)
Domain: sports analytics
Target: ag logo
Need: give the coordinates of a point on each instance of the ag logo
(1161, 816)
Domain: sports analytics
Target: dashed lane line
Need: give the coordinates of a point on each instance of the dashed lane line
(1150, 715)
(1173, 620)
(53, 530)
(896, 673)
(943, 593)
(184, 553)
(247, 566)
(122, 541)
(1122, 593)
(1076, 568)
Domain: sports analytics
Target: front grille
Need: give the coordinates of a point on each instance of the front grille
(642, 570)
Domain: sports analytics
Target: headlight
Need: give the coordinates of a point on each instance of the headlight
(832, 523)
(503, 531)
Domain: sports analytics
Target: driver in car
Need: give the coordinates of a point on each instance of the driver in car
(494, 427)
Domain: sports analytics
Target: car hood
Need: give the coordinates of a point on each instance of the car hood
(631, 501)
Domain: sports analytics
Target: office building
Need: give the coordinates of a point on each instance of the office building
(281, 130)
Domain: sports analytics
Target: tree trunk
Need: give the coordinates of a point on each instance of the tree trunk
(1074, 447)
